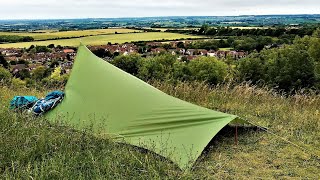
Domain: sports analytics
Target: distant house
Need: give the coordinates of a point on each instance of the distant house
(191, 57)
(173, 51)
(191, 52)
(154, 44)
(212, 53)
(68, 51)
(157, 50)
(203, 52)
(18, 67)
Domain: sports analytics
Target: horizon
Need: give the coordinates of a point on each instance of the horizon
(243, 15)
(82, 9)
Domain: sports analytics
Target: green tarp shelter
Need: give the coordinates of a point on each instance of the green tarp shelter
(113, 102)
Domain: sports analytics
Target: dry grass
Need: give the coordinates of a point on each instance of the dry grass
(36, 149)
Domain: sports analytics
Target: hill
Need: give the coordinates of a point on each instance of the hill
(34, 148)
(104, 39)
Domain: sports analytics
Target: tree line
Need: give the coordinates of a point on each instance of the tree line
(228, 31)
(15, 39)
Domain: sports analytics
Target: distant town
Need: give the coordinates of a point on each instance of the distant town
(51, 56)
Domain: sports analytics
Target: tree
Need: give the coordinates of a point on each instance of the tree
(3, 62)
(54, 64)
(204, 28)
(30, 48)
(150, 68)
(208, 69)
(23, 74)
(251, 68)
(39, 73)
(314, 46)
(289, 68)
(180, 45)
(50, 46)
(129, 63)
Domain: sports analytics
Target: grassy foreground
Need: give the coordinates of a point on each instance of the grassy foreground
(103, 39)
(32, 148)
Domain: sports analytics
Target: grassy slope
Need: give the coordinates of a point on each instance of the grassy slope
(104, 39)
(64, 34)
(36, 149)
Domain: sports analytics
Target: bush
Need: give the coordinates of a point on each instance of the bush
(208, 69)
(5, 75)
(18, 83)
(130, 63)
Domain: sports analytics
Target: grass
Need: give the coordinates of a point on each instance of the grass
(49, 34)
(32, 148)
(104, 39)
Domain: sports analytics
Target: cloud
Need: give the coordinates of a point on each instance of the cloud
(22, 9)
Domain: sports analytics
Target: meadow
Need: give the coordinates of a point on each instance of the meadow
(104, 39)
(51, 34)
(33, 148)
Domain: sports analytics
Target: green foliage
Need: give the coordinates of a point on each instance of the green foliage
(23, 74)
(3, 62)
(5, 75)
(39, 49)
(314, 47)
(18, 83)
(130, 64)
(15, 39)
(39, 73)
(251, 68)
(288, 68)
(208, 69)
(151, 69)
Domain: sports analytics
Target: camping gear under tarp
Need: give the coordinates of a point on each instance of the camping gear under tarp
(46, 104)
(23, 102)
(110, 101)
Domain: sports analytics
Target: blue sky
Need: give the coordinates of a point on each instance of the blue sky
(43, 9)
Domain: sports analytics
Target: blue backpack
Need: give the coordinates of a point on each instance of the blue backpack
(23, 102)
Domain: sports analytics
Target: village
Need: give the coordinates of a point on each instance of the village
(51, 56)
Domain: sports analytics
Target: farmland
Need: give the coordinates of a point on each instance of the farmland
(103, 39)
(50, 34)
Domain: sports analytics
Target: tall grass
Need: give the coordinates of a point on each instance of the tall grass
(33, 148)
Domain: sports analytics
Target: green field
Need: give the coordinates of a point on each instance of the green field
(248, 27)
(104, 39)
(51, 34)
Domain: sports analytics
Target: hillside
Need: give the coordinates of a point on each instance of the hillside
(34, 148)
(102, 39)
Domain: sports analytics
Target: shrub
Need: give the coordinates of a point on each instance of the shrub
(130, 63)
(5, 75)
(208, 69)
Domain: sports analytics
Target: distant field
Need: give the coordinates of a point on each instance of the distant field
(164, 29)
(226, 49)
(49, 34)
(104, 39)
(242, 27)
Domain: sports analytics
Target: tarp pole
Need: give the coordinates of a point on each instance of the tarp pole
(236, 136)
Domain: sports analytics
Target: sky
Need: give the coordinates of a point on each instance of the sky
(59, 9)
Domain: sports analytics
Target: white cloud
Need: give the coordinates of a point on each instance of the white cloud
(24, 9)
